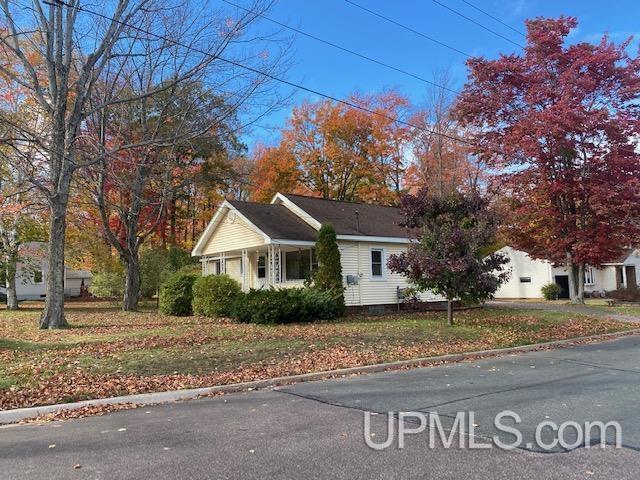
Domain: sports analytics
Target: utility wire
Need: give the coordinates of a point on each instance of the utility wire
(624, 149)
(477, 23)
(405, 27)
(267, 75)
(519, 32)
(344, 49)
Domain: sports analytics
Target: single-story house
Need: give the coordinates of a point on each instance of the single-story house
(528, 275)
(262, 245)
(32, 273)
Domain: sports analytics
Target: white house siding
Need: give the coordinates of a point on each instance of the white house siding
(605, 279)
(233, 269)
(26, 288)
(232, 234)
(522, 265)
(356, 260)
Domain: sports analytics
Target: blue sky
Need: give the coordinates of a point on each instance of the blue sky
(326, 69)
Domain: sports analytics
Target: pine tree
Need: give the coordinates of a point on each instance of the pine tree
(328, 276)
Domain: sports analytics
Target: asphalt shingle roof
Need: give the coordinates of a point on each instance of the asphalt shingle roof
(370, 220)
(276, 221)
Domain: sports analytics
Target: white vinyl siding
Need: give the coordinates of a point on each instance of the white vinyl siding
(370, 290)
(232, 234)
(234, 270)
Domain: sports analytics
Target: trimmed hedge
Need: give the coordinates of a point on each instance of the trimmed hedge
(213, 295)
(176, 294)
(551, 291)
(288, 305)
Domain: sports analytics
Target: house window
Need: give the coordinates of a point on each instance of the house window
(377, 254)
(262, 266)
(589, 275)
(37, 277)
(525, 279)
(300, 264)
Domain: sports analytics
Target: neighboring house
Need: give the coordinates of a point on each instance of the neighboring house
(529, 275)
(31, 279)
(263, 245)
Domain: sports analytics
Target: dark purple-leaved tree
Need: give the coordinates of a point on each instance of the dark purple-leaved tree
(449, 256)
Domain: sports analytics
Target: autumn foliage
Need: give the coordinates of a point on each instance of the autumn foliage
(561, 122)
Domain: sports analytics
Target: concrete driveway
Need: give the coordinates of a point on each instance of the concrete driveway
(315, 430)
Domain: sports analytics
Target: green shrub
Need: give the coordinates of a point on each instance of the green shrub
(323, 305)
(213, 295)
(107, 285)
(152, 264)
(288, 305)
(158, 263)
(328, 276)
(176, 294)
(551, 291)
(178, 258)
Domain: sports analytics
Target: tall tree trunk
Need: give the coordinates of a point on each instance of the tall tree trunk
(131, 284)
(450, 312)
(10, 281)
(575, 272)
(53, 314)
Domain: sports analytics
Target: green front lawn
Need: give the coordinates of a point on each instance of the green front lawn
(107, 352)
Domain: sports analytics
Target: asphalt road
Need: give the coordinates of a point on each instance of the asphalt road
(315, 430)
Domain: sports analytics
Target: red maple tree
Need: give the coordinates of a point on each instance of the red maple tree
(562, 123)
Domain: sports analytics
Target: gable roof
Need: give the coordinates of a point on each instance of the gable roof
(351, 218)
(622, 258)
(272, 222)
(275, 220)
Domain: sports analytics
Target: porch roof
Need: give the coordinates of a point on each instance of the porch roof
(276, 221)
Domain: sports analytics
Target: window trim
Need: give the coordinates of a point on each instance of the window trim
(301, 251)
(383, 270)
(258, 266)
(592, 271)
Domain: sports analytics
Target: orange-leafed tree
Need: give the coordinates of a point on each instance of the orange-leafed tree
(337, 151)
(274, 170)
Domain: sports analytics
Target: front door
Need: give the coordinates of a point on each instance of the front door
(261, 273)
(563, 282)
(630, 273)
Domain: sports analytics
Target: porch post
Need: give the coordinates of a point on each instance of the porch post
(275, 267)
(245, 270)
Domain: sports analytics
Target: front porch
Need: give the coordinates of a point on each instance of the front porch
(264, 266)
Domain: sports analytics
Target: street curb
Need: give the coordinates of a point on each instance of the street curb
(19, 414)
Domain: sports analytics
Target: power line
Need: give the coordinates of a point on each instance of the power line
(266, 74)
(624, 149)
(519, 32)
(405, 27)
(344, 49)
(477, 23)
